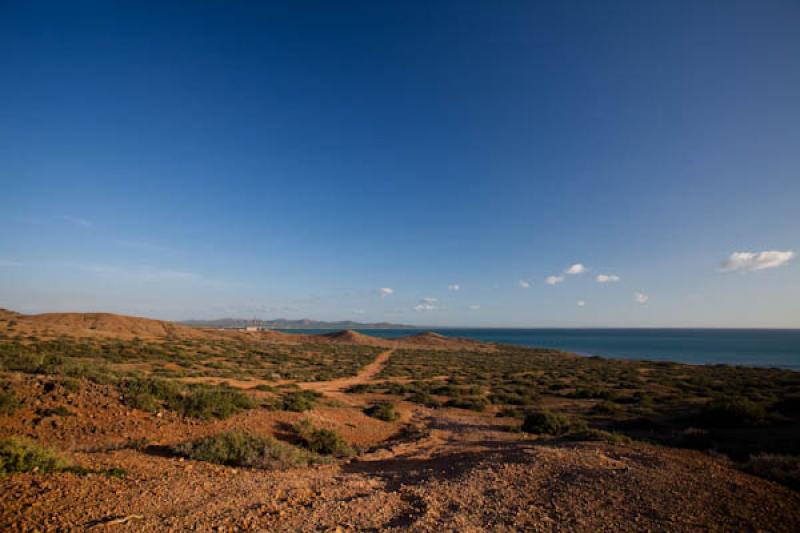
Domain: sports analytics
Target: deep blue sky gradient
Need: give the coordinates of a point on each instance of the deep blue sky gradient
(197, 159)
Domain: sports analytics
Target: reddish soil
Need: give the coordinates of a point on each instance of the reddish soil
(431, 470)
(458, 472)
(108, 325)
(364, 375)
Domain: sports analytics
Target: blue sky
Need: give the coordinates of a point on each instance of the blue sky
(194, 160)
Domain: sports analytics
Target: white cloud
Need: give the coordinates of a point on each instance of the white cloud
(577, 268)
(553, 280)
(752, 261)
(9, 263)
(142, 245)
(82, 222)
(640, 298)
(140, 273)
(385, 291)
(524, 284)
(359, 312)
(474, 307)
(607, 278)
(581, 303)
(426, 304)
(454, 287)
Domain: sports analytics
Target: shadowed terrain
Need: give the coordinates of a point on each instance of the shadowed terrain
(156, 426)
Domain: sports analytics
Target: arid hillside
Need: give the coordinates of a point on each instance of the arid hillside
(129, 424)
(113, 326)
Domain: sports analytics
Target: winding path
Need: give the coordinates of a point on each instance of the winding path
(364, 375)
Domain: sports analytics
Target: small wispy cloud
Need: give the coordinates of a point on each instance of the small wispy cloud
(640, 298)
(142, 273)
(553, 280)
(474, 307)
(577, 268)
(143, 245)
(752, 261)
(426, 304)
(82, 222)
(455, 287)
(581, 303)
(607, 278)
(10, 263)
(385, 291)
(359, 312)
(524, 284)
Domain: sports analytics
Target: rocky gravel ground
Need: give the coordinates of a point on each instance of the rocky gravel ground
(458, 471)
(431, 470)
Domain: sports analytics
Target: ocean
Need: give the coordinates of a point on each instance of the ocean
(778, 348)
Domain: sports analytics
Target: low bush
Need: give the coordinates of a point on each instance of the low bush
(423, 398)
(321, 441)
(8, 402)
(526, 397)
(382, 411)
(149, 394)
(602, 436)
(734, 412)
(70, 384)
(510, 412)
(784, 469)
(23, 455)
(199, 401)
(55, 411)
(546, 423)
(208, 403)
(299, 401)
(478, 403)
(237, 448)
(607, 408)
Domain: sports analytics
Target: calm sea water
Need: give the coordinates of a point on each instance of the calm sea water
(748, 347)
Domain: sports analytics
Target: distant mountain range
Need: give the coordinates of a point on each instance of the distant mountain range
(283, 323)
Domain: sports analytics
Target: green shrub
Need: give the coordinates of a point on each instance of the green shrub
(321, 441)
(784, 469)
(8, 402)
(208, 403)
(55, 411)
(510, 412)
(150, 394)
(593, 393)
(425, 399)
(199, 401)
(602, 436)
(271, 404)
(115, 472)
(478, 403)
(546, 423)
(382, 411)
(607, 408)
(236, 448)
(299, 401)
(734, 412)
(70, 384)
(23, 455)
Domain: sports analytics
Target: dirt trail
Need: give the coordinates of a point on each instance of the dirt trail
(364, 375)
(447, 470)
(461, 472)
